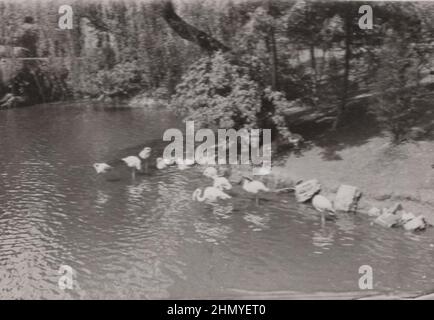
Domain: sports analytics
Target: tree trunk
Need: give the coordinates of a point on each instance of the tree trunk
(272, 49)
(189, 32)
(314, 69)
(273, 60)
(346, 79)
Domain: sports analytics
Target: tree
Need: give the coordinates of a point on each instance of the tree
(397, 85)
(189, 32)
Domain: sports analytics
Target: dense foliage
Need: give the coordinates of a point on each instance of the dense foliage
(281, 56)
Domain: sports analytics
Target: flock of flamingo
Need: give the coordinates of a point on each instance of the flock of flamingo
(220, 186)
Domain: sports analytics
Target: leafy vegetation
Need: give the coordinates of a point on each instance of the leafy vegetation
(227, 63)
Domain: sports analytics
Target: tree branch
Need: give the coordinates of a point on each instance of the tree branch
(189, 32)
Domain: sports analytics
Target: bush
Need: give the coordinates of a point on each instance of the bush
(122, 80)
(218, 94)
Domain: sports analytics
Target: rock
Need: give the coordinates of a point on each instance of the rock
(407, 216)
(416, 224)
(347, 198)
(374, 212)
(383, 197)
(391, 217)
(306, 190)
(387, 219)
(396, 209)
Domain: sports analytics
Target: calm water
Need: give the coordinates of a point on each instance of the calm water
(146, 239)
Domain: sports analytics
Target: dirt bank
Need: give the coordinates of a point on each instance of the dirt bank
(386, 174)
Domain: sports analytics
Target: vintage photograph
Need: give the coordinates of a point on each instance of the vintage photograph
(216, 150)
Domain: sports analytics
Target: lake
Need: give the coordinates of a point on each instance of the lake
(145, 238)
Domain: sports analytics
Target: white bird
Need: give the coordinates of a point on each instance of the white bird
(222, 183)
(169, 161)
(210, 194)
(254, 186)
(101, 167)
(144, 156)
(210, 172)
(161, 164)
(145, 153)
(184, 164)
(219, 182)
(322, 204)
(134, 163)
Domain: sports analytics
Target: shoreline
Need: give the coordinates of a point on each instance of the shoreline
(385, 174)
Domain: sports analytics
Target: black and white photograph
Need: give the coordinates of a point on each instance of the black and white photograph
(216, 150)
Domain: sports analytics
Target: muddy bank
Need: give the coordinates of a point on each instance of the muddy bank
(385, 174)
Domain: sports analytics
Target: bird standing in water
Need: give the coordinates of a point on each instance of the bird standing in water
(184, 164)
(210, 194)
(323, 205)
(134, 163)
(219, 182)
(161, 164)
(254, 186)
(144, 156)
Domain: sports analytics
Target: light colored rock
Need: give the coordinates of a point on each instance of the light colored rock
(388, 219)
(306, 190)
(374, 212)
(407, 216)
(347, 198)
(415, 224)
(396, 209)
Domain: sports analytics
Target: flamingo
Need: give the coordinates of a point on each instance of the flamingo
(210, 194)
(102, 167)
(169, 161)
(254, 186)
(184, 164)
(161, 164)
(144, 156)
(134, 163)
(219, 182)
(210, 172)
(322, 204)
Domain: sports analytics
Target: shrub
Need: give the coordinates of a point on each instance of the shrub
(122, 80)
(218, 94)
